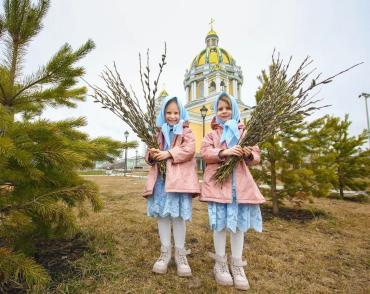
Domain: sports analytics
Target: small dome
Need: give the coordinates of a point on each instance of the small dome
(212, 33)
(163, 93)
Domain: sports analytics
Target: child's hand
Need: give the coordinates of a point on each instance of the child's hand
(162, 155)
(153, 151)
(237, 150)
(247, 151)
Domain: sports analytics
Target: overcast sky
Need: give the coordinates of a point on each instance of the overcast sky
(336, 34)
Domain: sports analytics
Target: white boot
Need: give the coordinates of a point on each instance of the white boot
(183, 268)
(240, 279)
(221, 270)
(160, 266)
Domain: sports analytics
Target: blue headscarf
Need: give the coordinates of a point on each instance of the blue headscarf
(165, 127)
(231, 134)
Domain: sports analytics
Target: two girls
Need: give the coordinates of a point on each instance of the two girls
(232, 207)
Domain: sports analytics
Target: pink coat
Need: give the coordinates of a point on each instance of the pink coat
(246, 188)
(181, 173)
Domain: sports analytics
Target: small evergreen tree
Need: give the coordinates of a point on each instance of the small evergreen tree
(298, 180)
(283, 101)
(40, 189)
(283, 164)
(339, 160)
(319, 160)
(310, 159)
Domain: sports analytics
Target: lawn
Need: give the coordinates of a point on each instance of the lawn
(323, 247)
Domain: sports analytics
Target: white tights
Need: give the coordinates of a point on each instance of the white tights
(179, 231)
(236, 241)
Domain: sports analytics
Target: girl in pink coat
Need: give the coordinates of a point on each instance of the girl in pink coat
(170, 198)
(234, 205)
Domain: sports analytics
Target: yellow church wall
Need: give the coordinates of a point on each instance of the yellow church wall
(198, 133)
(196, 110)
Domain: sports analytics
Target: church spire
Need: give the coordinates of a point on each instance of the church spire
(212, 38)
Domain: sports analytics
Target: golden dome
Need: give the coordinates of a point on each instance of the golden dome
(213, 55)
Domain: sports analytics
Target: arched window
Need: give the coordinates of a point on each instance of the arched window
(200, 91)
(222, 85)
(212, 87)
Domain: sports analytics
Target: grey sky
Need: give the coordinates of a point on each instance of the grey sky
(336, 34)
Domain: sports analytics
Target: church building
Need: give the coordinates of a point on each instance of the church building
(211, 72)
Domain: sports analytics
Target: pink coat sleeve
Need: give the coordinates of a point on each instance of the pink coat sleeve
(255, 157)
(209, 152)
(186, 150)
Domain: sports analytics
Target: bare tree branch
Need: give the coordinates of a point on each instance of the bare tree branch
(126, 105)
(285, 102)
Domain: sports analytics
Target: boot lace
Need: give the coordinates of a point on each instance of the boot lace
(163, 257)
(238, 271)
(181, 257)
(221, 267)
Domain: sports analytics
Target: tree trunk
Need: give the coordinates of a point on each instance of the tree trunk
(341, 191)
(13, 65)
(340, 183)
(274, 195)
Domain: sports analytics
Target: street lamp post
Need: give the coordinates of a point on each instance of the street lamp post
(366, 95)
(136, 158)
(126, 136)
(203, 113)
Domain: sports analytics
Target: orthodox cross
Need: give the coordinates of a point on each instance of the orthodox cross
(211, 23)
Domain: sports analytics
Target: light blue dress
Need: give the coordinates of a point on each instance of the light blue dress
(172, 204)
(234, 216)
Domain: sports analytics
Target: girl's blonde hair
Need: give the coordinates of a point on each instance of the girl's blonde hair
(174, 99)
(225, 99)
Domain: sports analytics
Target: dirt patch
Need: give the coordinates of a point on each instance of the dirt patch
(301, 215)
(58, 255)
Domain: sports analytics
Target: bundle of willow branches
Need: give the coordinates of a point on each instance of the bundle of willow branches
(285, 101)
(125, 104)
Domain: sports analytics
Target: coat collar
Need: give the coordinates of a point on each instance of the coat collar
(215, 125)
(161, 138)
